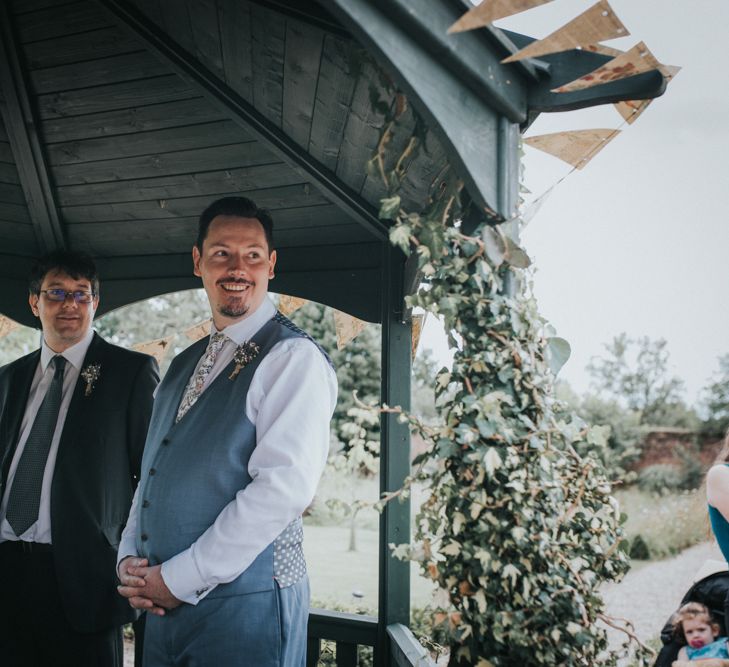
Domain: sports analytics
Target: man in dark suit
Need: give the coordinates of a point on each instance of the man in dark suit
(73, 421)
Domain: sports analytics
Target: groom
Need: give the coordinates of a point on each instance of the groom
(237, 443)
(73, 420)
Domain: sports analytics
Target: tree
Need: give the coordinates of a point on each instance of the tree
(635, 373)
(715, 401)
(357, 366)
(18, 343)
(158, 317)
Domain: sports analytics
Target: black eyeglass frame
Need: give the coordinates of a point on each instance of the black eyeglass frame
(79, 296)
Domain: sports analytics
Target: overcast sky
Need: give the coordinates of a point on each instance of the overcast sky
(637, 241)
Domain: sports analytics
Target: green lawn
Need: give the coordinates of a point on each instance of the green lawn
(335, 572)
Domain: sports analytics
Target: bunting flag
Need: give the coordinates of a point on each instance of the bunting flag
(197, 331)
(288, 304)
(631, 109)
(636, 61)
(603, 50)
(155, 348)
(491, 10)
(7, 325)
(597, 24)
(577, 147)
(347, 328)
(417, 329)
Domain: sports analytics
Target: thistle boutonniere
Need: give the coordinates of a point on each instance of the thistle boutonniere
(90, 373)
(244, 354)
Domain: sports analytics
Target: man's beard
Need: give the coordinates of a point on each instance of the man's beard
(233, 310)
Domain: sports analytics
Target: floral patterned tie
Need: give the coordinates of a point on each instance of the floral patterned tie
(197, 382)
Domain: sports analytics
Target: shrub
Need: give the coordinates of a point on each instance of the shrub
(661, 478)
(639, 549)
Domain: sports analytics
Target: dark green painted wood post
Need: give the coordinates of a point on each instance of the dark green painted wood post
(394, 581)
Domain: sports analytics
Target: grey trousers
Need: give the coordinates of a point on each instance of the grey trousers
(265, 629)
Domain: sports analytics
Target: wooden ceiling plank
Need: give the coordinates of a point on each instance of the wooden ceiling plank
(235, 39)
(69, 49)
(242, 112)
(6, 153)
(268, 42)
(147, 143)
(9, 174)
(176, 162)
(206, 35)
(20, 122)
(59, 21)
(362, 129)
(12, 194)
(301, 73)
(273, 198)
(15, 213)
(333, 97)
(104, 71)
(130, 121)
(125, 95)
(181, 185)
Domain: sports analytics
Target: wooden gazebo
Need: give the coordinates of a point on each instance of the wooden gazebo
(121, 120)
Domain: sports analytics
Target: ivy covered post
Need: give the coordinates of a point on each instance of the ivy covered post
(518, 530)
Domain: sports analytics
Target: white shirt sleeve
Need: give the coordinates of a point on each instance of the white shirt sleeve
(291, 400)
(128, 541)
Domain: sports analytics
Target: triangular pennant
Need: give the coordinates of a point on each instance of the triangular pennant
(288, 304)
(530, 211)
(631, 63)
(603, 50)
(631, 109)
(347, 328)
(417, 329)
(156, 348)
(491, 10)
(597, 24)
(576, 147)
(197, 331)
(7, 325)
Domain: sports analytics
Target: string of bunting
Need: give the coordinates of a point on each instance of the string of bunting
(157, 348)
(597, 24)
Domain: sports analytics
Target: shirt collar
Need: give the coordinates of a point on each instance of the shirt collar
(246, 328)
(74, 354)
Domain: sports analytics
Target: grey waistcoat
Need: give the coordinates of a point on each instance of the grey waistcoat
(191, 470)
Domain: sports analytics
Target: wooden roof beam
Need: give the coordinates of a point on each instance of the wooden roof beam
(246, 115)
(22, 128)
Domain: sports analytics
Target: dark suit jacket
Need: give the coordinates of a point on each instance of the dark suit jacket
(96, 472)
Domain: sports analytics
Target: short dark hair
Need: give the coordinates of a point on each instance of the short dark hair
(240, 207)
(75, 264)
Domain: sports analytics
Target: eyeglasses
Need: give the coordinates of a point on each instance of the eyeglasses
(61, 295)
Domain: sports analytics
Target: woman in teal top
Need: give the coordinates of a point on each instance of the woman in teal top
(717, 495)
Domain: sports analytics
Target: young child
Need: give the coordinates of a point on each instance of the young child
(693, 622)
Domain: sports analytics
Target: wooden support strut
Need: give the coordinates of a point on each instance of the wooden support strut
(22, 127)
(244, 114)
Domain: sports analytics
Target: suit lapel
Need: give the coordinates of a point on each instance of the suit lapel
(18, 390)
(78, 408)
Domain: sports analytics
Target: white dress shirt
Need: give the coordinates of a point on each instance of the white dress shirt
(290, 400)
(40, 531)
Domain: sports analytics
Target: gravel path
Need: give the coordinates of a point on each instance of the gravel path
(650, 592)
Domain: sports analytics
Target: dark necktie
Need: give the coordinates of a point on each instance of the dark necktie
(24, 500)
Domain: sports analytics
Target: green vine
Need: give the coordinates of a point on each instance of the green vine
(519, 531)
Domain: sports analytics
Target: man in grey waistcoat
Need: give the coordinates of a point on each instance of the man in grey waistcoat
(238, 440)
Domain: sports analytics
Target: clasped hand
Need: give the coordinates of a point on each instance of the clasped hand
(144, 586)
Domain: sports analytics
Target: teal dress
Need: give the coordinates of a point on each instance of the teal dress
(717, 649)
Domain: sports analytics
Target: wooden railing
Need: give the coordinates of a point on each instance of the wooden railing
(350, 631)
